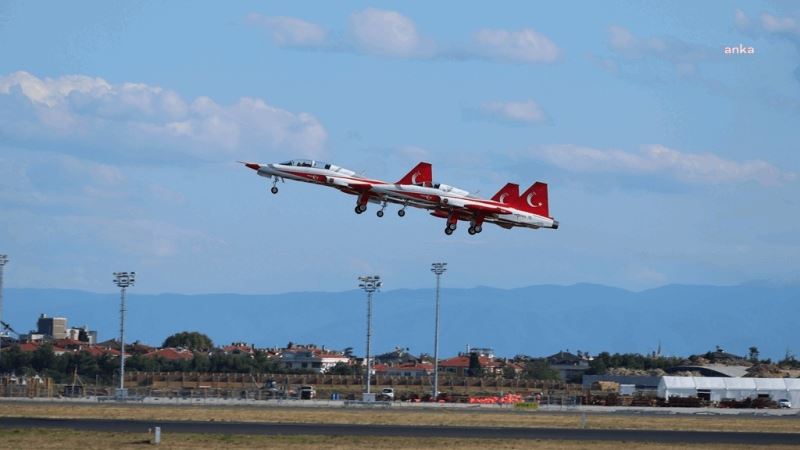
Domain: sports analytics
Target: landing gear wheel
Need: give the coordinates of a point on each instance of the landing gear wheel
(360, 209)
(478, 229)
(274, 190)
(380, 213)
(471, 230)
(451, 226)
(448, 231)
(401, 213)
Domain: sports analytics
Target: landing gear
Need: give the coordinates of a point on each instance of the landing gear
(274, 189)
(478, 228)
(402, 212)
(451, 226)
(360, 208)
(380, 211)
(448, 231)
(471, 230)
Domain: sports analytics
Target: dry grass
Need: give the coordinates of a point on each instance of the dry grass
(412, 417)
(86, 440)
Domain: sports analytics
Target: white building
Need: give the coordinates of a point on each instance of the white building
(316, 360)
(716, 389)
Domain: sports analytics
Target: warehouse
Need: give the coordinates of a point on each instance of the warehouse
(719, 388)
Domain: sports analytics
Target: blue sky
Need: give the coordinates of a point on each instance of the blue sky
(668, 161)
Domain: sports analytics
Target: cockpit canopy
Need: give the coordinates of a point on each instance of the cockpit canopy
(447, 188)
(317, 165)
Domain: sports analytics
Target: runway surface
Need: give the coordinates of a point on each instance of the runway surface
(661, 436)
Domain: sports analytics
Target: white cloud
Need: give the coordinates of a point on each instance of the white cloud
(741, 19)
(658, 159)
(775, 24)
(90, 116)
(386, 33)
(290, 31)
(526, 112)
(524, 46)
(684, 56)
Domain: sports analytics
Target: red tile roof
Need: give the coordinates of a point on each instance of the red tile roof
(463, 361)
(171, 354)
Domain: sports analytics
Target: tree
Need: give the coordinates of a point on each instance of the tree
(43, 358)
(753, 354)
(474, 365)
(539, 369)
(192, 340)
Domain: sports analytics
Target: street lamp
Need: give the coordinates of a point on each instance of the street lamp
(3, 261)
(438, 269)
(124, 280)
(370, 284)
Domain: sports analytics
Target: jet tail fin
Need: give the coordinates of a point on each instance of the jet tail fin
(534, 200)
(422, 173)
(508, 194)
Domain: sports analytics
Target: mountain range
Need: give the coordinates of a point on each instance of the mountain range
(536, 320)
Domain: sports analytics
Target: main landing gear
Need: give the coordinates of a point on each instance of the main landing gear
(402, 212)
(360, 208)
(475, 229)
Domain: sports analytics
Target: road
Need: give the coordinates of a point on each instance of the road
(660, 436)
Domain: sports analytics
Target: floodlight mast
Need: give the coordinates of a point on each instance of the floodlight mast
(438, 269)
(3, 261)
(370, 284)
(123, 280)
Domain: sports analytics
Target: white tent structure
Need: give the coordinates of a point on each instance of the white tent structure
(718, 388)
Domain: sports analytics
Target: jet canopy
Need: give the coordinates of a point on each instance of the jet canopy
(449, 189)
(317, 165)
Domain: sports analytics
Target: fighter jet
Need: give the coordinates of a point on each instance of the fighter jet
(507, 208)
(345, 180)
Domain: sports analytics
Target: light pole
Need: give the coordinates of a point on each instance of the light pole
(3, 261)
(438, 269)
(370, 284)
(124, 280)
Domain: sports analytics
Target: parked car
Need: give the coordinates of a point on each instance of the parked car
(387, 394)
(784, 403)
(307, 392)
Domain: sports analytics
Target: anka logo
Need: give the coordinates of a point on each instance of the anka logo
(740, 50)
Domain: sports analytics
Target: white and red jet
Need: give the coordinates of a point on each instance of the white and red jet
(507, 208)
(345, 180)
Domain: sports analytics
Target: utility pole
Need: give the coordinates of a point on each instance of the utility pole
(370, 284)
(438, 269)
(3, 261)
(124, 280)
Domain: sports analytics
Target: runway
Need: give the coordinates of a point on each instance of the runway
(660, 436)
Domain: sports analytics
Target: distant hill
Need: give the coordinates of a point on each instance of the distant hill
(536, 320)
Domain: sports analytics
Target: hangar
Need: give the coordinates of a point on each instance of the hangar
(716, 389)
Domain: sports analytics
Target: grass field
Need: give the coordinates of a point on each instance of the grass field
(61, 439)
(508, 418)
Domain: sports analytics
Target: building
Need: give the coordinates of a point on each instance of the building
(570, 367)
(716, 389)
(311, 358)
(410, 370)
(52, 327)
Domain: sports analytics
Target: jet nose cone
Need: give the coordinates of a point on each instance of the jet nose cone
(253, 166)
